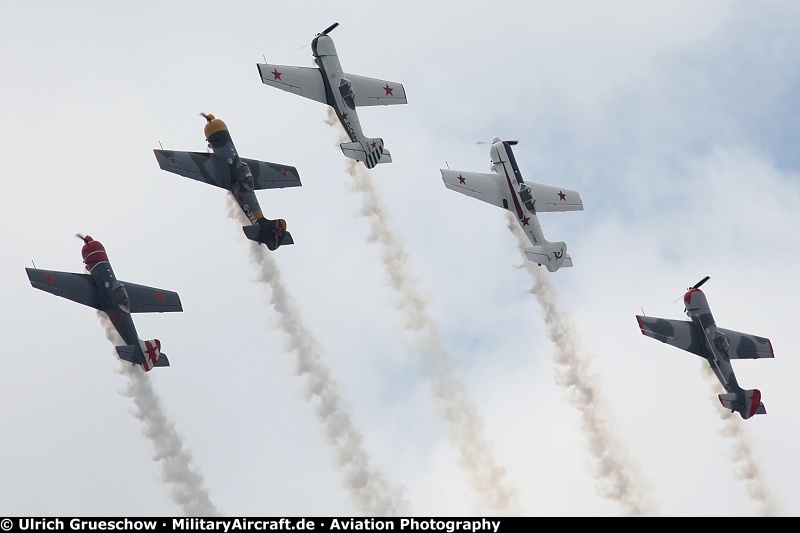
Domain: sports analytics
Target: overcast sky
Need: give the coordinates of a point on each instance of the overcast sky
(677, 121)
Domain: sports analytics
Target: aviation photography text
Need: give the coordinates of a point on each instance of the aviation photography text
(226, 525)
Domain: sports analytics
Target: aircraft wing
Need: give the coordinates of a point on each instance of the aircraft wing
(146, 299)
(549, 198)
(200, 166)
(304, 81)
(744, 346)
(679, 333)
(76, 287)
(486, 187)
(369, 91)
(272, 175)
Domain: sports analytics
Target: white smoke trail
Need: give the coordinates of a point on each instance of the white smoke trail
(616, 476)
(746, 467)
(177, 471)
(370, 492)
(466, 426)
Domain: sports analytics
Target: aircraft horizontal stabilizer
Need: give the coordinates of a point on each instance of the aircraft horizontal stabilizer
(257, 233)
(133, 355)
(553, 255)
(751, 406)
(251, 232)
(355, 150)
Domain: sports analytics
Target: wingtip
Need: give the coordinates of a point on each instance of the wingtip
(641, 324)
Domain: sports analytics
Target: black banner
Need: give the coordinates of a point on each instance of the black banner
(236, 525)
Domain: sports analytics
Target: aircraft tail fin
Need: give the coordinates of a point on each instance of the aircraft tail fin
(553, 255)
(147, 354)
(270, 232)
(374, 154)
(752, 404)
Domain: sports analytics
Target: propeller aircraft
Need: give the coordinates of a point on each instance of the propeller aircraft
(101, 290)
(344, 92)
(718, 346)
(505, 188)
(242, 177)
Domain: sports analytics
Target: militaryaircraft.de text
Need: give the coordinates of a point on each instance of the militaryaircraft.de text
(344, 92)
(718, 346)
(242, 177)
(101, 290)
(505, 188)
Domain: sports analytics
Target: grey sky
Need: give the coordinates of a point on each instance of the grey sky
(677, 122)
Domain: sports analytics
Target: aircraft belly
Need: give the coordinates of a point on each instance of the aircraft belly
(123, 323)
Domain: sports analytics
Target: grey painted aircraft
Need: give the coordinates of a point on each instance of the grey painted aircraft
(505, 188)
(101, 290)
(718, 346)
(242, 177)
(344, 92)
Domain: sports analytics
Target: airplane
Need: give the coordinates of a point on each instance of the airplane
(718, 346)
(505, 188)
(342, 91)
(242, 177)
(101, 290)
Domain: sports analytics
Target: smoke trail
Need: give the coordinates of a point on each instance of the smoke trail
(186, 483)
(370, 492)
(466, 426)
(746, 468)
(617, 478)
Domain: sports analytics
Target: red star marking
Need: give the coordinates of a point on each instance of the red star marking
(276, 75)
(49, 279)
(562, 196)
(373, 144)
(461, 179)
(277, 230)
(151, 352)
(284, 173)
(240, 198)
(525, 221)
(344, 116)
(160, 297)
(116, 319)
(388, 90)
(173, 160)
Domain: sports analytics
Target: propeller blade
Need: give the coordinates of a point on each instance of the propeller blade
(329, 28)
(205, 116)
(81, 237)
(697, 285)
(512, 143)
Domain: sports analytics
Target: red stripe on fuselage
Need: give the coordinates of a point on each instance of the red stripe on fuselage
(513, 193)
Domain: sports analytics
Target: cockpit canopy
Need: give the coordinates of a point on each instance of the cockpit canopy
(119, 297)
(346, 90)
(527, 197)
(721, 341)
(244, 176)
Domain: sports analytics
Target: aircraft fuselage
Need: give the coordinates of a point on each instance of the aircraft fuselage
(338, 91)
(715, 345)
(115, 302)
(505, 165)
(239, 177)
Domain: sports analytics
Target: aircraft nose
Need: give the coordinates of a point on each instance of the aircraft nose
(495, 139)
